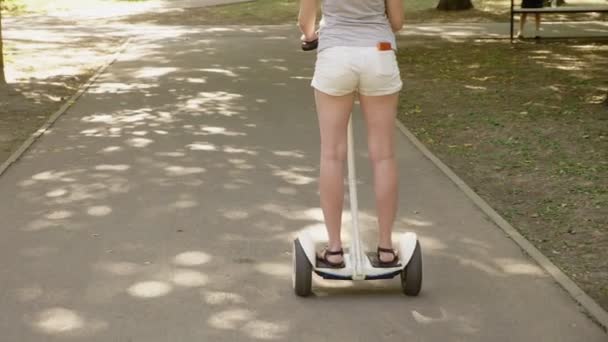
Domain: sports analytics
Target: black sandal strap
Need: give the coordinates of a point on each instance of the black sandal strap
(328, 252)
(386, 250)
(388, 263)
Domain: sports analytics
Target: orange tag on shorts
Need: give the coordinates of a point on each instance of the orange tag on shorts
(384, 46)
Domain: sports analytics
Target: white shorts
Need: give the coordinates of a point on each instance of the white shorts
(342, 70)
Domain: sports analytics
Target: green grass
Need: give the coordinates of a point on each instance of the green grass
(523, 125)
(256, 12)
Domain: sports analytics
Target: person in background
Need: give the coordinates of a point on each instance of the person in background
(522, 21)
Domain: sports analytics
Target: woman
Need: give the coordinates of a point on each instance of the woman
(356, 55)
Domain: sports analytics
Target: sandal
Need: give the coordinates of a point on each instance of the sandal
(391, 263)
(325, 262)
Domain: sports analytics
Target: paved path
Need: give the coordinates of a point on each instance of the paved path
(162, 207)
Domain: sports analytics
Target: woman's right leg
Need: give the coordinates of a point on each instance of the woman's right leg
(334, 113)
(380, 113)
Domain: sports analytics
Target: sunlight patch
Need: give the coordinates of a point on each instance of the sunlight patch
(223, 298)
(56, 193)
(183, 171)
(230, 149)
(58, 320)
(194, 258)
(513, 266)
(230, 319)
(150, 72)
(202, 146)
(99, 210)
(59, 215)
(140, 142)
(417, 223)
(293, 154)
(112, 149)
(108, 167)
(220, 71)
(149, 289)
(189, 278)
(265, 330)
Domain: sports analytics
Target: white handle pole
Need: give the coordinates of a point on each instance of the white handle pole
(354, 206)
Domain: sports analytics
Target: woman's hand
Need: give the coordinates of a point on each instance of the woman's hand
(310, 37)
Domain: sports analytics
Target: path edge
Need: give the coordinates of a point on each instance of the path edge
(15, 156)
(594, 310)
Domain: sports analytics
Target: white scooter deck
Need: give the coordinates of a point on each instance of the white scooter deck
(311, 241)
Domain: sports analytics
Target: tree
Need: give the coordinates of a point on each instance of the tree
(2, 77)
(454, 5)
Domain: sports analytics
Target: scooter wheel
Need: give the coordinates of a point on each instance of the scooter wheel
(302, 271)
(411, 276)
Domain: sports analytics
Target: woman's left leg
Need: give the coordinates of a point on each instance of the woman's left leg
(334, 113)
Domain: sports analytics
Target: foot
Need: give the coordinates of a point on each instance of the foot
(519, 35)
(332, 258)
(387, 255)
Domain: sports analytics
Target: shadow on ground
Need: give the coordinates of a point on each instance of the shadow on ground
(162, 207)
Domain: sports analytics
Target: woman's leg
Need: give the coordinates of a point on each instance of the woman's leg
(537, 23)
(522, 22)
(380, 112)
(334, 113)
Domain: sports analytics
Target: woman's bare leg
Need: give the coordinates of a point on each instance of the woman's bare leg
(380, 112)
(334, 113)
(522, 22)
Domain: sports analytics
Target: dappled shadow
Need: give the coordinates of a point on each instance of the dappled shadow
(163, 206)
(24, 107)
(524, 126)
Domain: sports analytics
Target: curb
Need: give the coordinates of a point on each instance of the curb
(15, 156)
(595, 311)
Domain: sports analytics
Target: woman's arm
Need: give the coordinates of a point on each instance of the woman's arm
(394, 12)
(307, 19)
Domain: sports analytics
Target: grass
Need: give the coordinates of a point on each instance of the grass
(523, 125)
(255, 12)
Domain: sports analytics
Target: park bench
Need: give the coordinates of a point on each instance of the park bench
(553, 9)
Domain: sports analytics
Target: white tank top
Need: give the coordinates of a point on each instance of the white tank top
(354, 23)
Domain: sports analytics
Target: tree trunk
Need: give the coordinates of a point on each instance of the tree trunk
(454, 5)
(2, 77)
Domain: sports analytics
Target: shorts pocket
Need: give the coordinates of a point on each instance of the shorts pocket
(386, 63)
